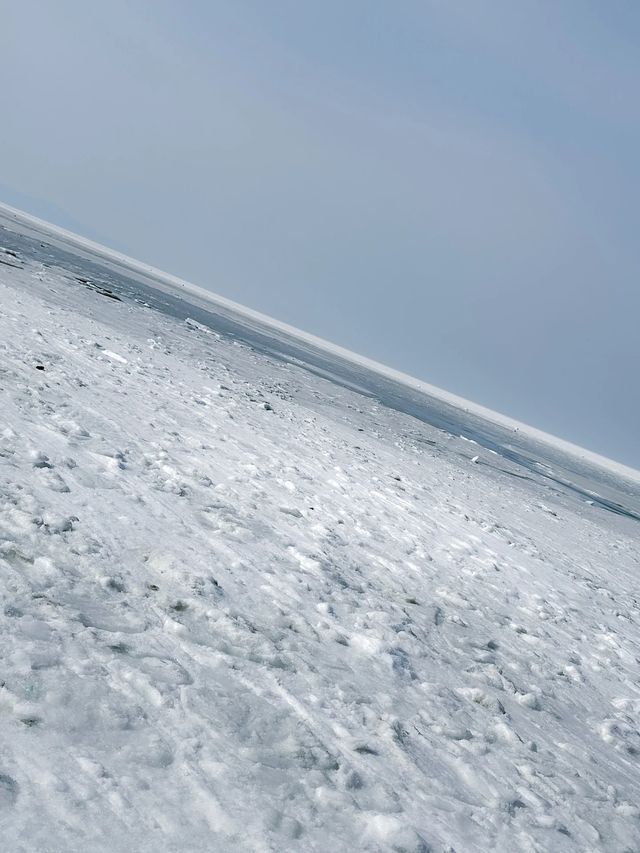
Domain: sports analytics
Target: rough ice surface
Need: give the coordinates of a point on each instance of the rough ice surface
(245, 607)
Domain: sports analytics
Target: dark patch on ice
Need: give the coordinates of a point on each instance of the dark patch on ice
(353, 781)
(9, 789)
(9, 264)
(97, 288)
(364, 749)
(401, 663)
(42, 461)
(514, 805)
(400, 734)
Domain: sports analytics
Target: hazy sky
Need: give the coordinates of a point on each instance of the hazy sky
(449, 187)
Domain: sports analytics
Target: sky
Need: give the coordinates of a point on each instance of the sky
(450, 188)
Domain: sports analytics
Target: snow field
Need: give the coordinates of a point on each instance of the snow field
(245, 609)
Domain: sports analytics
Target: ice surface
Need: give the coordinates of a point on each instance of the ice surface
(257, 598)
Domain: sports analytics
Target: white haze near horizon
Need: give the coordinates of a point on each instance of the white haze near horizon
(447, 188)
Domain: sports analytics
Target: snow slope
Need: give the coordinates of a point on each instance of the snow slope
(251, 602)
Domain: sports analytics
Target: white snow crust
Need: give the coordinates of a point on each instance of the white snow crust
(243, 608)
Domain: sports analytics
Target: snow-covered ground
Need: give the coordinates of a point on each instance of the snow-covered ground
(246, 607)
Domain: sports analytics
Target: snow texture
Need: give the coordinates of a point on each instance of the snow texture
(257, 598)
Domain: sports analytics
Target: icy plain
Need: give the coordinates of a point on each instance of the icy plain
(250, 600)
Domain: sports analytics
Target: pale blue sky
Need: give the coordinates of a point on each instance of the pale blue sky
(449, 187)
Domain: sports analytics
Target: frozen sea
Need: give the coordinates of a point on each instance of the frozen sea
(258, 595)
